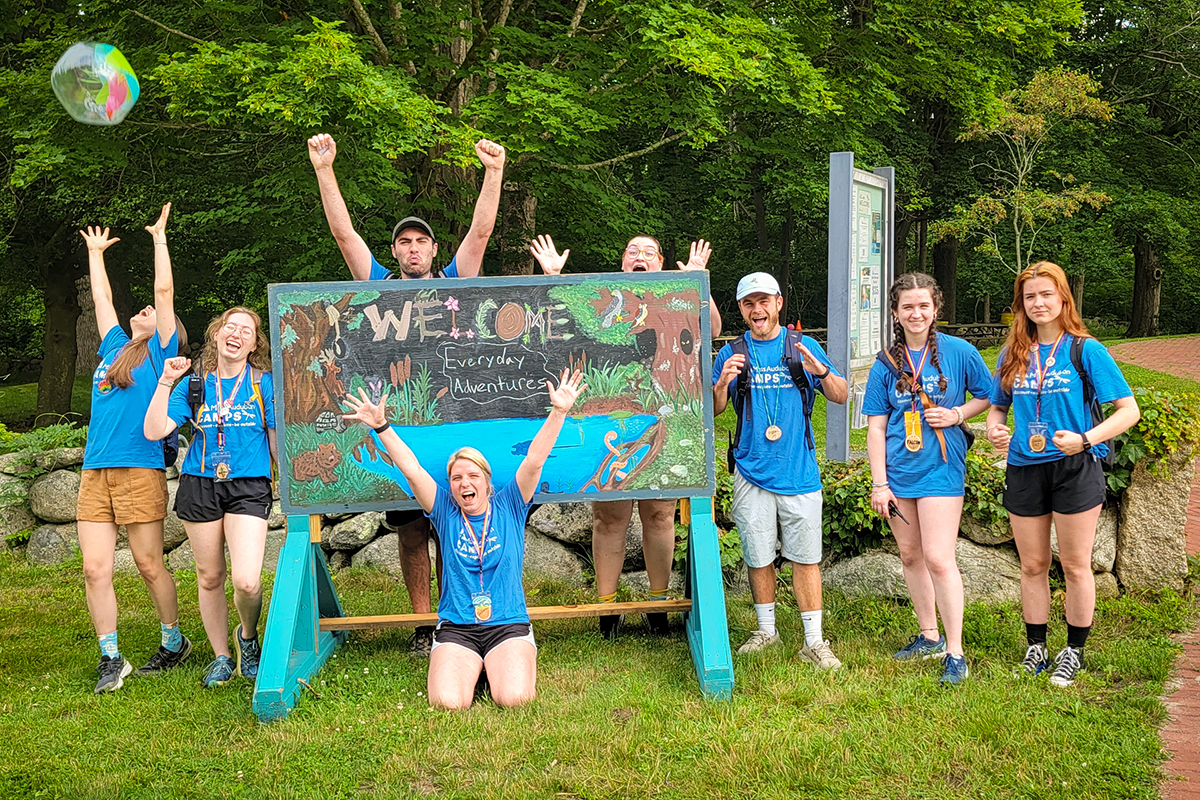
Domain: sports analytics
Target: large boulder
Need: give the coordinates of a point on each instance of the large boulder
(173, 470)
(1106, 586)
(1104, 548)
(546, 557)
(339, 559)
(59, 458)
(51, 544)
(173, 531)
(353, 533)
(14, 519)
(184, 558)
(874, 573)
(383, 553)
(54, 496)
(275, 540)
(123, 561)
(277, 519)
(1150, 548)
(571, 524)
(997, 532)
(639, 582)
(989, 574)
(13, 490)
(15, 464)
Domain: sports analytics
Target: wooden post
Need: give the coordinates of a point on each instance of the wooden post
(706, 624)
(294, 646)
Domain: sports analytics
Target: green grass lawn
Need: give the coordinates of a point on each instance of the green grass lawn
(18, 402)
(621, 719)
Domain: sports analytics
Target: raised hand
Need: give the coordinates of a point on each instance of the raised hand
(732, 368)
(97, 241)
(543, 250)
(570, 386)
(322, 150)
(363, 410)
(175, 368)
(491, 154)
(812, 364)
(159, 229)
(698, 258)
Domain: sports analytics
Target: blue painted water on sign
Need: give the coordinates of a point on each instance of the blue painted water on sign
(582, 447)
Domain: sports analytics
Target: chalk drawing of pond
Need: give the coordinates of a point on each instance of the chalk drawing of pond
(581, 449)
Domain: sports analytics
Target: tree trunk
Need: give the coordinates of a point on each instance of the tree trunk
(1147, 289)
(945, 272)
(987, 308)
(59, 347)
(922, 247)
(760, 219)
(1076, 282)
(784, 271)
(901, 249)
(518, 220)
(87, 337)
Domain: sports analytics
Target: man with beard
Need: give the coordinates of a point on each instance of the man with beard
(414, 247)
(776, 481)
(611, 519)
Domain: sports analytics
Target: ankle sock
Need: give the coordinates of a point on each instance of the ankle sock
(1035, 633)
(1077, 635)
(658, 594)
(766, 617)
(172, 639)
(812, 627)
(108, 645)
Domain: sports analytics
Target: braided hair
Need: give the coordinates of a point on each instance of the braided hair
(907, 282)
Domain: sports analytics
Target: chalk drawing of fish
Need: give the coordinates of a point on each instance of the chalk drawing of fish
(522, 448)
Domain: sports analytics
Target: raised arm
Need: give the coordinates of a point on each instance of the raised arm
(373, 416)
(164, 282)
(157, 424)
(321, 152)
(97, 242)
(833, 386)
(469, 257)
(698, 260)
(547, 256)
(561, 399)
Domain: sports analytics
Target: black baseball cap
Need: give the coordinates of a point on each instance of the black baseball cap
(413, 222)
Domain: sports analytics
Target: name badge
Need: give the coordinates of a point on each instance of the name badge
(482, 601)
(221, 470)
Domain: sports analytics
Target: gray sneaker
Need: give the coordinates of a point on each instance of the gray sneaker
(421, 644)
(113, 672)
(759, 640)
(820, 655)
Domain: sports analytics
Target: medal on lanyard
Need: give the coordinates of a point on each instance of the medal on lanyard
(221, 459)
(912, 419)
(481, 601)
(1039, 432)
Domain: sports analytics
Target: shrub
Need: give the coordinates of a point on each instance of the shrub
(1169, 421)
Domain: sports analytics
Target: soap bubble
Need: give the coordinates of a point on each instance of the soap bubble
(95, 84)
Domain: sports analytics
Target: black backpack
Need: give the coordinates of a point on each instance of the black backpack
(1089, 398)
(808, 394)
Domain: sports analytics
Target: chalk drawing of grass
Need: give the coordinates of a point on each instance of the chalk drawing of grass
(353, 484)
(415, 404)
(614, 380)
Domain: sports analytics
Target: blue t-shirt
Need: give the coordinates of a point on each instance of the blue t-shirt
(503, 558)
(245, 431)
(1063, 408)
(923, 473)
(115, 437)
(786, 466)
(381, 273)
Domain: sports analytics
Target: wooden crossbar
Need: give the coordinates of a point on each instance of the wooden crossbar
(535, 613)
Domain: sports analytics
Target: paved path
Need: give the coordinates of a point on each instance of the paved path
(1181, 735)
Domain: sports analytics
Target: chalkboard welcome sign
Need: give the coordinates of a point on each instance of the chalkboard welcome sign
(465, 362)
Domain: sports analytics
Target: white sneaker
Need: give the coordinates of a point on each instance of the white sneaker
(820, 655)
(759, 640)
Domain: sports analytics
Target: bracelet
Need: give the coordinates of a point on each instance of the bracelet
(824, 374)
(384, 428)
(168, 384)
(164, 244)
(1086, 444)
(958, 411)
(878, 485)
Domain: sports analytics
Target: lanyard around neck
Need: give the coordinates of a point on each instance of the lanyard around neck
(479, 544)
(1040, 370)
(223, 405)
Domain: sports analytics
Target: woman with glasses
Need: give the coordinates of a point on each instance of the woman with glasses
(224, 496)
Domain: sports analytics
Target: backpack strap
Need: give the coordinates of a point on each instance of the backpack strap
(808, 393)
(741, 391)
(256, 391)
(1090, 401)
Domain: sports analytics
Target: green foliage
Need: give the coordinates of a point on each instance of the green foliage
(1169, 422)
(729, 546)
(39, 440)
(983, 488)
(848, 522)
(613, 380)
(415, 404)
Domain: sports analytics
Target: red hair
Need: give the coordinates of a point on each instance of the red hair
(1023, 333)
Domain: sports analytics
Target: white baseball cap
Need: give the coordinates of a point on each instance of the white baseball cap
(757, 282)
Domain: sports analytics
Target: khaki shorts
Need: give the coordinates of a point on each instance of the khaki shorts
(124, 495)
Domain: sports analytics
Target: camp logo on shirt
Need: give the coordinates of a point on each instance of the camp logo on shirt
(243, 415)
(1055, 382)
(102, 384)
(772, 377)
(930, 385)
(467, 550)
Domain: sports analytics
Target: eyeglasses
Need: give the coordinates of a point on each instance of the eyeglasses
(633, 251)
(230, 327)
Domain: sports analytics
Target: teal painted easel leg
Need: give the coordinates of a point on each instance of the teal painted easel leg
(706, 624)
(294, 648)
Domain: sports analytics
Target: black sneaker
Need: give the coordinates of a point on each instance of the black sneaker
(166, 659)
(248, 653)
(113, 672)
(610, 625)
(1037, 659)
(422, 642)
(1067, 663)
(658, 623)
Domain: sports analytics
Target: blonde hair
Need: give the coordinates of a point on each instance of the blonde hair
(260, 357)
(476, 458)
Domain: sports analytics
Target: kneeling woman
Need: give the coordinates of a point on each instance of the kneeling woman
(482, 620)
(224, 496)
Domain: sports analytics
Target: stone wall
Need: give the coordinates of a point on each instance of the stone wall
(1139, 546)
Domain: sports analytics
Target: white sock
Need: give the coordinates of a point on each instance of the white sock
(812, 627)
(766, 617)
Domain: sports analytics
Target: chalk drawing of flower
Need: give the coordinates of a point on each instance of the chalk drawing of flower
(454, 333)
(470, 334)
(451, 303)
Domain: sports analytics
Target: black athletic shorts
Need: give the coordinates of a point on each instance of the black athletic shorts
(1067, 486)
(481, 639)
(205, 500)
